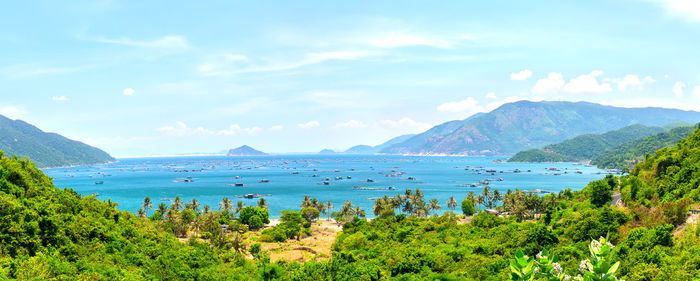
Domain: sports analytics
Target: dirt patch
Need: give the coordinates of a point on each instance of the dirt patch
(315, 247)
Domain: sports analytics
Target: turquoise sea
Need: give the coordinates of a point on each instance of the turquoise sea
(290, 177)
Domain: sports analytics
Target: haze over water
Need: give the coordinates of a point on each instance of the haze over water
(291, 177)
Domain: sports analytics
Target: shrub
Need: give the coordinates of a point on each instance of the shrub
(468, 207)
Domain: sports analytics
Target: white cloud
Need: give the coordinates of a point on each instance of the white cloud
(352, 124)
(309, 125)
(468, 106)
(688, 9)
(678, 89)
(552, 84)
(631, 81)
(235, 130)
(404, 124)
(277, 128)
(587, 83)
(180, 129)
(61, 98)
(128, 92)
(522, 75)
(12, 112)
(395, 40)
(491, 95)
(165, 42)
(240, 65)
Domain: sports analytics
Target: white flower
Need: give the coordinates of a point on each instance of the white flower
(578, 278)
(610, 244)
(557, 268)
(567, 277)
(539, 255)
(536, 270)
(584, 264)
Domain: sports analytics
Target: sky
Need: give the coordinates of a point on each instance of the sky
(138, 78)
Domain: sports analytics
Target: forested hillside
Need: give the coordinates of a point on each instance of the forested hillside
(585, 147)
(630, 153)
(46, 149)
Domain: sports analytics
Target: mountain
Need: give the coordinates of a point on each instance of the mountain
(245, 150)
(366, 149)
(630, 153)
(326, 151)
(523, 125)
(46, 149)
(585, 147)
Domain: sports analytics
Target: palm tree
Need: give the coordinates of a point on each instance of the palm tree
(329, 208)
(347, 211)
(434, 205)
(262, 203)
(206, 209)
(194, 205)
(359, 211)
(306, 202)
(142, 213)
(486, 197)
(239, 207)
(147, 204)
(497, 196)
(238, 244)
(162, 208)
(451, 203)
(177, 203)
(225, 204)
(381, 204)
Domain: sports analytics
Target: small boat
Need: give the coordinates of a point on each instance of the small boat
(349, 177)
(370, 180)
(264, 181)
(99, 182)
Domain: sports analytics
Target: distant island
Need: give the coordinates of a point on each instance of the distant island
(46, 149)
(327, 151)
(245, 150)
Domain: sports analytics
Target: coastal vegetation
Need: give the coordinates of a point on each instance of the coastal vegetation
(634, 227)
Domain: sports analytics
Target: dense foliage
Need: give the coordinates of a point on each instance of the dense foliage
(47, 233)
(46, 149)
(631, 153)
(585, 147)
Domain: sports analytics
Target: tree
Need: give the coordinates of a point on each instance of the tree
(468, 207)
(434, 205)
(262, 203)
(451, 203)
(254, 217)
(310, 214)
(147, 204)
(239, 207)
(193, 205)
(329, 208)
(600, 192)
(225, 204)
(177, 203)
(142, 213)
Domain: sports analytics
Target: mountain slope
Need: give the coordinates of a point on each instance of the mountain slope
(245, 150)
(523, 125)
(46, 149)
(366, 149)
(585, 147)
(627, 154)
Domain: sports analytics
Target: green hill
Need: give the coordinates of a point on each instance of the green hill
(630, 153)
(585, 147)
(46, 149)
(526, 125)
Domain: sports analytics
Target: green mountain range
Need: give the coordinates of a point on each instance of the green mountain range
(631, 153)
(525, 125)
(584, 147)
(46, 149)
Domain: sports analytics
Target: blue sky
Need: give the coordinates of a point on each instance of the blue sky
(165, 77)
